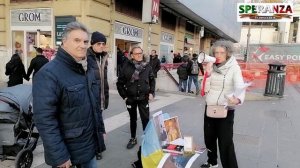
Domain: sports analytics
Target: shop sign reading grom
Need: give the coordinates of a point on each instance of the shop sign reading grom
(31, 17)
(127, 30)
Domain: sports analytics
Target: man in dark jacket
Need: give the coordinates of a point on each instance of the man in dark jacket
(194, 68)
(154, 63)
(121, 58)
(182, 72)
(66, 106)
(177, 58)
(97, 56)
(37, 63)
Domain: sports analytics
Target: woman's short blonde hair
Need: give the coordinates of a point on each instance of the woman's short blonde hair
(227, 45)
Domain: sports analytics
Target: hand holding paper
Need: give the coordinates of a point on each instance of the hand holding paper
(232, 100)
(241, 89)
(238, 95)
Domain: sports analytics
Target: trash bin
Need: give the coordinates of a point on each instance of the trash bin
(275, 80)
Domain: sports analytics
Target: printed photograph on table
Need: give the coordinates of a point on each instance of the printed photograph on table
(176, 161)
(172, 128)
(158, 119)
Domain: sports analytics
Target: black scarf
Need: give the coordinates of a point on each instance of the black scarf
(138, 68)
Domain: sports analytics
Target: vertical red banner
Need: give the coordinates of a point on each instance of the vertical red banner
(155, 11)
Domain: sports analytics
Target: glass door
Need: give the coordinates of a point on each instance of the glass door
(18, 43)
(31, 44)
(46, 43)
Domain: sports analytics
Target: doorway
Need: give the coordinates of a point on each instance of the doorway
(124, 47)
(25, 42)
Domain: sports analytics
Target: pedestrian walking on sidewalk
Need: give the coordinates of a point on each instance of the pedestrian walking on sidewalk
(154, 63)
(36, 63)
(97, 57)
(220, 82)
(15, 70)
(194, 69)
(66, 106)
(182, 72)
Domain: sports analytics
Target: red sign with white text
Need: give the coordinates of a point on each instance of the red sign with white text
(155, 11)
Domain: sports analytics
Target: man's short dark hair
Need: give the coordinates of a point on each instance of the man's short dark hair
(39, 50)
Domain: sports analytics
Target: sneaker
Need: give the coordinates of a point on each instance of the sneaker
(132, 142)
(191, 92)
(208, 165)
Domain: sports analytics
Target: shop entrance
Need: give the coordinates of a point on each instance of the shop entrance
(124, 46)
(25, 42)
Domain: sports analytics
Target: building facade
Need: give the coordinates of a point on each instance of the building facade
(182, 27)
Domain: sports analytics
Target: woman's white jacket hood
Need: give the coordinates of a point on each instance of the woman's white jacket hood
(227, 81)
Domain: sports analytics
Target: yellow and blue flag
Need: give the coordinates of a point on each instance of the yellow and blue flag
(151, 149)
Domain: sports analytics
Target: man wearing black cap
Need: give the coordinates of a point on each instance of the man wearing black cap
(97, 56)
(36, 63)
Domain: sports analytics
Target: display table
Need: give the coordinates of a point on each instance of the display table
(157, 134)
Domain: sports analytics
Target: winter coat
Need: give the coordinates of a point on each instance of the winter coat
(15, 70)
(102, 77)
(177, 59)
(36, 64)
(67, 112)
(224, 82)
(138, 89)
(121, 58)
(182, 71)
(155, 64)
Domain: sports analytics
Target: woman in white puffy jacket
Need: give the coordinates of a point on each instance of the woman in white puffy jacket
(224, 87)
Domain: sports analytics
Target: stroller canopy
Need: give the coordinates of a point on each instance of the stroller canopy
(19, 95)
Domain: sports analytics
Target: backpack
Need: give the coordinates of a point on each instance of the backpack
(195, 68)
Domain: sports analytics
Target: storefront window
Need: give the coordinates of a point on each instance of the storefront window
(165, 51)
(18, 43)
(45, 42)
(25, 46)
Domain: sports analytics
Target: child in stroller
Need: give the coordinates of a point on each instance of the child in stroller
(17, 139)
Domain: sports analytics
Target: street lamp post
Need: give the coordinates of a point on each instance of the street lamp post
(248, 41)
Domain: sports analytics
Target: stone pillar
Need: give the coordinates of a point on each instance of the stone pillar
(298, 32)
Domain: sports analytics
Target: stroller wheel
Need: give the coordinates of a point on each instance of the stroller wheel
(24, 159)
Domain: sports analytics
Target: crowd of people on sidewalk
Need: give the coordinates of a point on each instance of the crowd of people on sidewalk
(71, 92)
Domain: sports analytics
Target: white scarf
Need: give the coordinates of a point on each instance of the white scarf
(83, 62)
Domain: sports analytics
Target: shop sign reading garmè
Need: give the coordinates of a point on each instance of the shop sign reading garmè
(128, 30)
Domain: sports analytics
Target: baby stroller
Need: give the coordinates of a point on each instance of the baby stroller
(17, 139)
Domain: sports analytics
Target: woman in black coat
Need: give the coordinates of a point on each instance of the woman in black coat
(15, 70)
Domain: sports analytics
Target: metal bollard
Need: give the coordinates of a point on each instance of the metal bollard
(275, 80)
